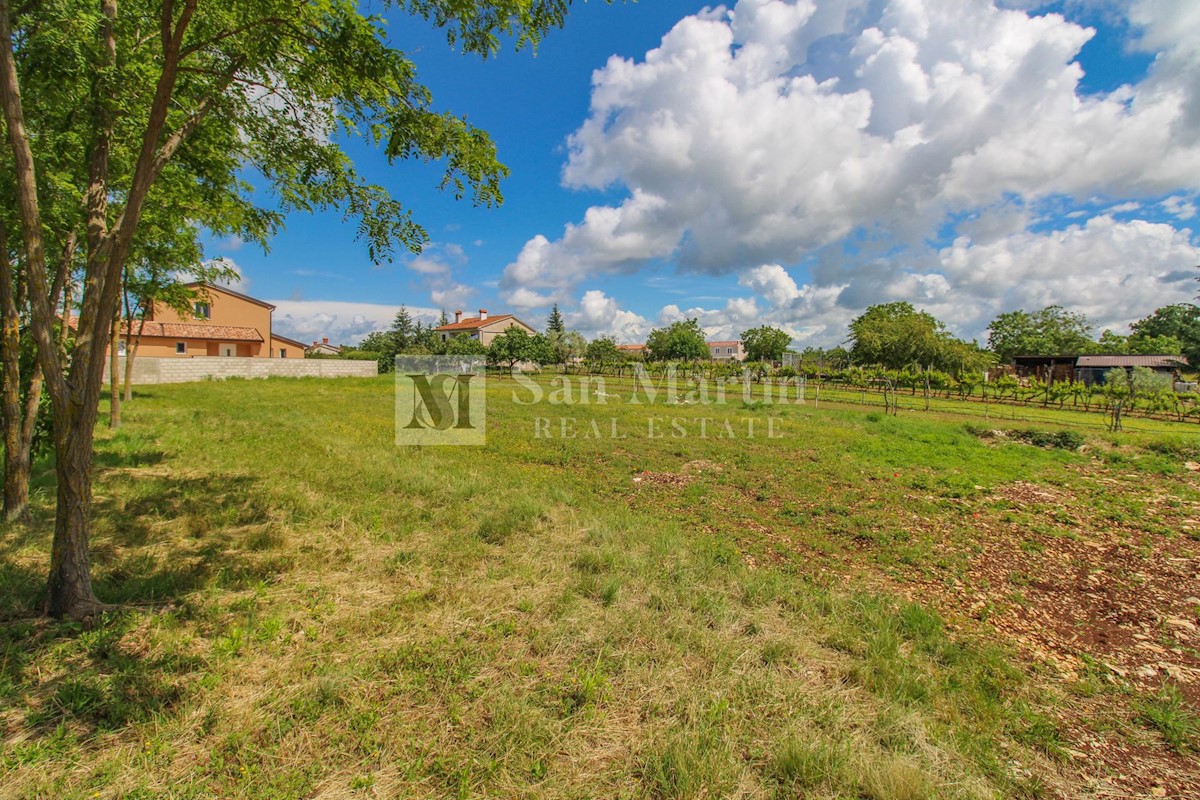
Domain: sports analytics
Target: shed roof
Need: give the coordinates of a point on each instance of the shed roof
(1151, 361)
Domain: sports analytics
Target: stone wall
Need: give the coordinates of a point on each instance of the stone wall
(149, 370)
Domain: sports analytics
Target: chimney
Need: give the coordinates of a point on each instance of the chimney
(482, 314)
(324, 340)
(457, 317)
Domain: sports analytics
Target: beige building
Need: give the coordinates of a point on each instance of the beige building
(323, 348)
(726, 351)
(482, 328)
(717, 351)
(222, 323)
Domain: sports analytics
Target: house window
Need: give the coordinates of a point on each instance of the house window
(121, 344)
(181, 348)
(283, 352)
(729, 350)
(203, 311)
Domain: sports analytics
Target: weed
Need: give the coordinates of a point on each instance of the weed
(802, 765)
(1169, 714)
(895, 778)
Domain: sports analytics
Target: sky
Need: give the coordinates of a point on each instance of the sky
(788, 163)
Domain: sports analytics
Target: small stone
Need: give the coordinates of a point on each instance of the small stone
(1158, 791)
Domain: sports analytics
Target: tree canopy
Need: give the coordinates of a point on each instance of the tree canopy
(765, 343)
(1180, 322)
(515, 344)
(603, 351)
(679, 341)
(565, 346)
(1053, 331)
(897, 336)
(555, 323)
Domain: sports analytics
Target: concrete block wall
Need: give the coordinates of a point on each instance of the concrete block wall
(148, 370)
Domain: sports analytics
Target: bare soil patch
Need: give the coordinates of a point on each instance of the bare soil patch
(1102, 602)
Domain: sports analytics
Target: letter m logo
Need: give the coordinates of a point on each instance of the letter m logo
(440, 401)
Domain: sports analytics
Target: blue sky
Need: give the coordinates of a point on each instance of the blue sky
(790, 162)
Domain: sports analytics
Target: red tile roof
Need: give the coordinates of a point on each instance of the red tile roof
(633, 348)
(474, 322)
(725, 344)
(188, 330)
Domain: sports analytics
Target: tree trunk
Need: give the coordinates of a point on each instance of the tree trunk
(114, 376)
(69, 591)
(131, 348)
(66, 318)
(16, 474)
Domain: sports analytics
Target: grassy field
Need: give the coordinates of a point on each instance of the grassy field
(863, 607)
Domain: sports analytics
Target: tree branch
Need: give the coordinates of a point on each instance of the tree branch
(31, 218)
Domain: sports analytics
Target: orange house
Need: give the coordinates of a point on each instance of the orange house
(222, 323)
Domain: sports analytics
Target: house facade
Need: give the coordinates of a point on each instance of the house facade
(717, 351)
(323, 348)
(726, 351)
(483, 328)
(222, 323)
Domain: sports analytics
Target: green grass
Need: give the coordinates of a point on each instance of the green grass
(1170, 716)
(311, 609)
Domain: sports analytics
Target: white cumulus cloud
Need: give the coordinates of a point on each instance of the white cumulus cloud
(775, 132)
(341, 322)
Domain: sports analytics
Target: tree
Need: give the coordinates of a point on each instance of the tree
(679, 341)
(1137, 344)
(765, 343)
(212, 91)
(463, 345)
(514, 344)
(603, 351)
(1180, 321)
(820, 359)
(403, 332)
(895, 336)
(565, 346)
(1053, 331)
(555, 323)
